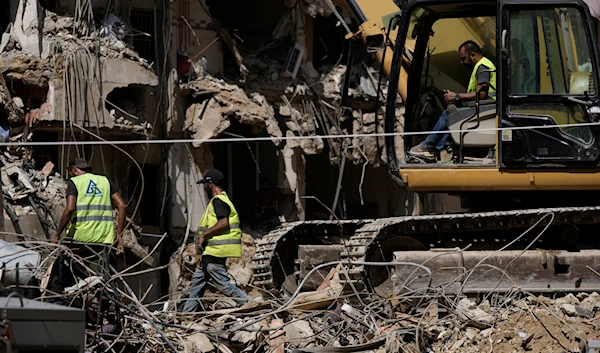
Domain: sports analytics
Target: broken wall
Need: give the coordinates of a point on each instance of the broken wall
(125, 99)
(191, 33)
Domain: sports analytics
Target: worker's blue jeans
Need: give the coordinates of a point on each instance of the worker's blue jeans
(438, 141)
(211, 269)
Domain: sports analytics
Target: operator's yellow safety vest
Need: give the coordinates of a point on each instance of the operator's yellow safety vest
(92, 221)
(229, 242)
(473, 82)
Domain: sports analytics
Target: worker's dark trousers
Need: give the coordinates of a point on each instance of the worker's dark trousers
(212, 270)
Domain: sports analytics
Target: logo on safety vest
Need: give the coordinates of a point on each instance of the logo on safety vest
(93, 190)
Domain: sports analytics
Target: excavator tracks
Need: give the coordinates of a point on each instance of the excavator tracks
(370, 240)
(376, 240)
(269, 257)
(265, 254)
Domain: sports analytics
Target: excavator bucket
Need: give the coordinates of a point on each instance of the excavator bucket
(474, 272)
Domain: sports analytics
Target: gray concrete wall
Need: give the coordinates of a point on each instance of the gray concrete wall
(90, 110)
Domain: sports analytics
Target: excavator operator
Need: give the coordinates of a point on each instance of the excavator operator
(484, 83)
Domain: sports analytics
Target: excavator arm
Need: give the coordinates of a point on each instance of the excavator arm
(374, 17)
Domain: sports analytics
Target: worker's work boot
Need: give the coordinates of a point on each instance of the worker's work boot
(421, 150)
(490, 159)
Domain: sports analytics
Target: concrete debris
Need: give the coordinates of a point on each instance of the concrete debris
(85, 283)
(576, 310)
(328, 319)
(316, 8)
(218, 103)
(130, 241)
(37, 51)
(477, 317)
(299, 333)
(199, 342)
(363, 82)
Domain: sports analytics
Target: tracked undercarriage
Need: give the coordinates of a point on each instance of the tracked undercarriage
(563, 259)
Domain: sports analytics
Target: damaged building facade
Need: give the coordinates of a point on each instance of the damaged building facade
(105, 71)
(281, 76)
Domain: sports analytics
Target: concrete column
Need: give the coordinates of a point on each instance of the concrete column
(295, 181)
(188, 199)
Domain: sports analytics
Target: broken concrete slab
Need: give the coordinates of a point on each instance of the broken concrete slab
(220, 103)
(476, 317)
(199, 342)
(299, 333)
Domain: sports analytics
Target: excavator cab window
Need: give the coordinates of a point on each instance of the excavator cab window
(549, 53)
(442, 69)
(550, 88)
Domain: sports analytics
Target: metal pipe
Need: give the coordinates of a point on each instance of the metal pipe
(339, 17)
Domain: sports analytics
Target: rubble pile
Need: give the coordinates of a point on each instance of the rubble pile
(59, 38)
(336, 319)
(211, 116)
(536, 324)
(46, 55)
(42, 192)
(303, 106)
(28, 191)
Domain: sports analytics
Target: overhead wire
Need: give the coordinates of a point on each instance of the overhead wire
(284, 138)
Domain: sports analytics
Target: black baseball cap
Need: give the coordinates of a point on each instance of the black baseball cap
(213, 175)
(80, 163)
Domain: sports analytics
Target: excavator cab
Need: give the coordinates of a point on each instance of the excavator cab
(542, 127)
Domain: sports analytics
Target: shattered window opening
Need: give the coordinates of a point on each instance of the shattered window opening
(143, 40)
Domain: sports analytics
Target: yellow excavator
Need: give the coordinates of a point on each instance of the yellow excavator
(530, 214)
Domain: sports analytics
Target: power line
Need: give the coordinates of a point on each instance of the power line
(286, 138)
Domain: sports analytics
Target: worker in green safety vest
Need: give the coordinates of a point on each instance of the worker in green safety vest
(219, 237)
(482, 81)
(89, 207)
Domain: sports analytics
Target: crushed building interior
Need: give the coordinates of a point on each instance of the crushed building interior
(180, 81)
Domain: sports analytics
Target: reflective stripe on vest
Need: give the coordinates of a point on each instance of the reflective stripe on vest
(229, 242)
(492, 84)
(93, 208)
(224, 242)
(231, 226)
(92, 220)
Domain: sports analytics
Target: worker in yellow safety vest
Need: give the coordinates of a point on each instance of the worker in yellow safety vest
(219, 237)
(482, 82)
(89, 207)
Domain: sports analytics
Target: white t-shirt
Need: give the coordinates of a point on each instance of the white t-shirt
(594, 6)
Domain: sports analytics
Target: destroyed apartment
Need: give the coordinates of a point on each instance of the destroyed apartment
(307, 122)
